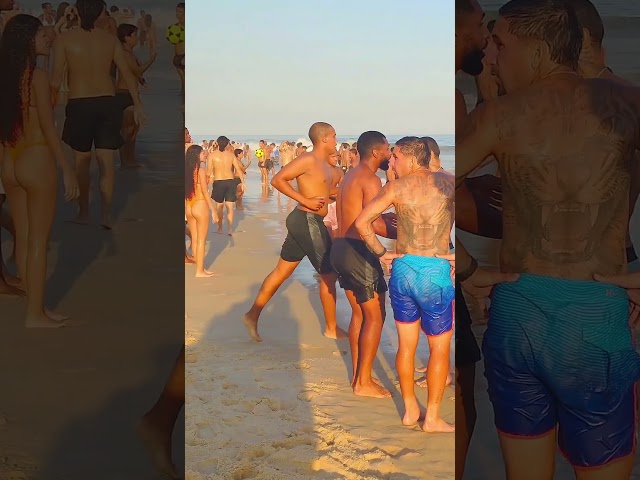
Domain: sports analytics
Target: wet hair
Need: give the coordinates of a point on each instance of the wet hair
(223, 143)
(553, 22)
(17, 63)
(126, 30)
(432, 145)
(191, 167)
(368, 142)
(238, 151)
(60, 11)
(89, 11)
(415, 147)
(589, 19)
(319, 130)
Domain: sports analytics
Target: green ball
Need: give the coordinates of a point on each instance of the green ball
(175, 34)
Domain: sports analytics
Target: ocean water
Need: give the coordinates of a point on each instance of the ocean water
(607, 8)
(446, 143)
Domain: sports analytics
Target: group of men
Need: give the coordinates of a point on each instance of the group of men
(421, 284)
(564, 130)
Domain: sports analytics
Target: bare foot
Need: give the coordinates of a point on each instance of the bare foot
(6, 289)
(251, 324)
(371, 390)
(437, 425)
(338, 334)
(219, 231)
(158, 444)
(373, 379)
(421, 370)
(43, 321)
(204, 274)
(56, 317)
(423, 383)
(412, 413)
(189, 259)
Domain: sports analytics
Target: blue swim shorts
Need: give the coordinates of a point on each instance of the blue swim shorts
(559, 353)
(421, 289)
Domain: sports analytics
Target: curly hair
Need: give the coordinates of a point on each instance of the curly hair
(191, 168)
(17, 63)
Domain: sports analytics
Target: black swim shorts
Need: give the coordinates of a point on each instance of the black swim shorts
(307, 236)
(358, 269)
(124, 99)
(224, 191)
(93, 121)
(467, 351)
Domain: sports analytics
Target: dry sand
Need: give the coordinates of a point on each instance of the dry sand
(71, 398)
(283, 409)
(484, 460)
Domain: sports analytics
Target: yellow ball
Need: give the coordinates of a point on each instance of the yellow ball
(259, 153)
(175, 34)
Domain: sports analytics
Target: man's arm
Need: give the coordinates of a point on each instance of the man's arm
(384, 225)
(119, 58)
(238, 166)
(372, 212)
(293, 170)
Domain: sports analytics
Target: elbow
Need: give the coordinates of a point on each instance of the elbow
(359, 225)
(275, 182)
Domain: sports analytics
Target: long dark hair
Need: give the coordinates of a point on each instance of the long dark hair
(191, 167)
(17, 62)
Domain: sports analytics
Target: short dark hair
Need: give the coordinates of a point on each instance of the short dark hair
(589, 19)
(432, 145)
(238, 151)
(89, 11)
(126, 30)
(223, 143)
(416, 147)
(553, 22)
(369, 141)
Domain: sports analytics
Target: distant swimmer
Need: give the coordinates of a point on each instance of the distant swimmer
(421, 285)
(307, 236)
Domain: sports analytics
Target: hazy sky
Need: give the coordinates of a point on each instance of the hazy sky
(276, 67)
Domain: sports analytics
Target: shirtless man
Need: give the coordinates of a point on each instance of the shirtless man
(354, 158)
(299, 150)
(178, 57)
(359, 270)
(307, 235)
(421, 287)
(238, 175)
(140, 23)
(562, 144)
(92, 114)
(286, 154)
(220, 168)
(331, 219)
(246, 152)
(344, 154)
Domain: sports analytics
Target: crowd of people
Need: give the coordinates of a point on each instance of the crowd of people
(559, 355)
(342, 245)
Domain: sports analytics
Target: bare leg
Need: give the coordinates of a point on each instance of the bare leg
(354, 331)
(437, 371)
(328, 300)
(156, 427)
(200, 211)
(220, 211)
(129, 134)
(373, 312)
(107, 180)
(239, 194)
(617, 470)
(229, 207)
(466, 414)
(188, 258)
(83, 165)
(194, 236)
(268, 289)
(408, 336)
(5, 288)
(530, 458)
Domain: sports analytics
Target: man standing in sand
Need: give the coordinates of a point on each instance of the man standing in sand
(560, 232)
(93, 116)
(359, 270)
(220, 165)
(421, 289)
(307, 236)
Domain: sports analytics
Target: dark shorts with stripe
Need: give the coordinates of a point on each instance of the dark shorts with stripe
(307, 236)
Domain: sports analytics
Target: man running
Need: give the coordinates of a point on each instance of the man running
(421, 288)
(562, 144)
(93, 115)
(221, 164)
(359, 270)
(307, 236)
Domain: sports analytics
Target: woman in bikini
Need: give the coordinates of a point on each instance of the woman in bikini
(31, 150)
(197, 204)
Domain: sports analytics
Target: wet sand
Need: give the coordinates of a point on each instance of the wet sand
(283, 409)
(485, 459)
(72, 397)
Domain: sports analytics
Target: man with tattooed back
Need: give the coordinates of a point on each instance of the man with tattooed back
(421, 288)
(559, 358)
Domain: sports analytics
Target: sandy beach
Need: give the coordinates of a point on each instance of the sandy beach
(283, 409)
(485, 459)
(72, 397)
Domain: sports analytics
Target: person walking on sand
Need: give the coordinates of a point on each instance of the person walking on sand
(421, 287)
(307, 235)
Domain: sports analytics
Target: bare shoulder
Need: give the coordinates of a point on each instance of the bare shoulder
(445, 183)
